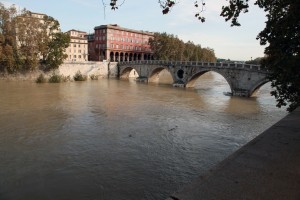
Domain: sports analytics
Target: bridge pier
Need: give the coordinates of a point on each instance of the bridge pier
(142, 79)
(241, 92)
(179, 84)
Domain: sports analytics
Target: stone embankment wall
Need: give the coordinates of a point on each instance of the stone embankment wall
(102, 69)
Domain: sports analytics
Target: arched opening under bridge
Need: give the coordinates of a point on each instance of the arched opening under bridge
(161, 75)
(263, 97)
(261, 89)
(129, 73)
(209, 82)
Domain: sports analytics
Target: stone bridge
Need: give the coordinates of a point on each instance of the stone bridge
(243, 79)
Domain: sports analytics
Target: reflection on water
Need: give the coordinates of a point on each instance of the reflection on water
(113, 139)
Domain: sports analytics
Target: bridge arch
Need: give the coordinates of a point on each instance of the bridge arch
(154, 74)
(258, 85)
(191, 81)
(124, 74)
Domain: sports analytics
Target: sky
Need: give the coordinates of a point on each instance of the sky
(234, 43)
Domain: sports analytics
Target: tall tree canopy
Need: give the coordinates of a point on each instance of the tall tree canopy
(281, 37)
(28, 42)
(169, 47)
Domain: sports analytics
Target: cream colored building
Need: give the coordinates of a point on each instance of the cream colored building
(78, 48)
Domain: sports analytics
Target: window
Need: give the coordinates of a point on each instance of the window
(74, 45)
(74, 56)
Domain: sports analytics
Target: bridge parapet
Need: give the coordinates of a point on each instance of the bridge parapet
(196, 63)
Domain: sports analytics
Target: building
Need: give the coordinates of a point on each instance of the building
(78, 48)
(92, 55)
(115, 43)
(39, 16)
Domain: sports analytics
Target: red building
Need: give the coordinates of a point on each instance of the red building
(115, 43)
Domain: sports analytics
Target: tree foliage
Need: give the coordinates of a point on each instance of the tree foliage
(56, 51)
(8, 56)
(281, 37)
(27, 38)
(27, 42)
(256, 61)
(169, 47)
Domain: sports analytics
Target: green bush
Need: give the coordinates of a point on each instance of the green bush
(41, 79)
(93, 77)
(57, 78)
(79, 77)
(65, 78)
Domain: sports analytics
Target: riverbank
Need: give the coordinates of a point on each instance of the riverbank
(265, 168)
(28, 76)
(68, 69)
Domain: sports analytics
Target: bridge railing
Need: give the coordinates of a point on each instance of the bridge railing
(195, 63)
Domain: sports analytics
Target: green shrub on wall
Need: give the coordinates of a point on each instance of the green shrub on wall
(79, 77)
(41, 79)
(57, 78)
(93, 77)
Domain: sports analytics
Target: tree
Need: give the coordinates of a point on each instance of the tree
(169, 47)
(256, 61)
(27, 42)
(52, 43)
(281, 37)
(56, 50)
(8, 56)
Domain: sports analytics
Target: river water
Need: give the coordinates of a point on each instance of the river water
(115, 140)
